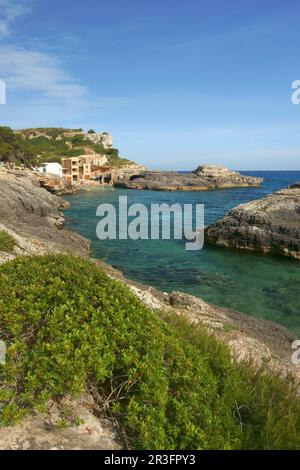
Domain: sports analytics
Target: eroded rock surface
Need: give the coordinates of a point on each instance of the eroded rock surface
(31, 215)
(268, 225)
(81, 430)
(53, 183)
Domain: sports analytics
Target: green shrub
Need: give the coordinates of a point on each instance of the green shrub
(73, 153)
(14, 149)
(79, 140)
(170, 385)
(7, 242)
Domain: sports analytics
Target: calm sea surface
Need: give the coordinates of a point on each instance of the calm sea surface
(262, 286)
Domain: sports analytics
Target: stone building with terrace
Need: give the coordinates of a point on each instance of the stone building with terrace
(83, 168)
(89, 169)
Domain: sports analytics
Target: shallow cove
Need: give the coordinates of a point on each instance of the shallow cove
(262, 286)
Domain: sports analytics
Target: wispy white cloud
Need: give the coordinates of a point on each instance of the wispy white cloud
(44, 79)
(32, 70)
(34, 73)
(10, 10)
(25, 69)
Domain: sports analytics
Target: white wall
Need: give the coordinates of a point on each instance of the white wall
(53, 168)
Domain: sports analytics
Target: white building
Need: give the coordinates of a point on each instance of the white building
(52, 168)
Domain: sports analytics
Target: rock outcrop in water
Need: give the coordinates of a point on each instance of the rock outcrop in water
(268, 225)
(31, 215)
(205, 177)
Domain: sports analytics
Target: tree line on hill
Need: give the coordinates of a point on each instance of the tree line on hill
(20, 149)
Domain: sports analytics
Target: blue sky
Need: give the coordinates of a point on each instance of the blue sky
(177, 83)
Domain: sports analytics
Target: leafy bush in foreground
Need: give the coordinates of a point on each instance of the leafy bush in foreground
(7, 242)
(170, 385)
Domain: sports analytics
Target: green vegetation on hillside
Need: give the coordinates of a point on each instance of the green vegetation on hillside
(170, 385)
(51, 131)
(30, 148)
(7, 242)
(115, 160)
(15, 149)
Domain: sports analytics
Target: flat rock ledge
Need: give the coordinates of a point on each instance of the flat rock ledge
(204, 178)
(268, 225)
(84, 429)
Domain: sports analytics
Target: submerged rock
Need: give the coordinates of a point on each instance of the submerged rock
(205, 177)
(268, 225)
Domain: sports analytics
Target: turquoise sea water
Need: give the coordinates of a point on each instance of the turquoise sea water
(262, 286)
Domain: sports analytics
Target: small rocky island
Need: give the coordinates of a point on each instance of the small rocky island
(268, 225)
(204, 178)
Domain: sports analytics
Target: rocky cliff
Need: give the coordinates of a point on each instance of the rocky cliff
(268, 225)
(205, 177)
(31, 215)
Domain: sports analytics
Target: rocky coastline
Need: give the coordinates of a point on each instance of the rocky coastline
(204, 178)
(31, 215)
(268, 225)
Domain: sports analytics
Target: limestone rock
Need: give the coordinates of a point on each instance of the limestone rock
(31, 215)
(214, 171)
(268, 225)
(205, 177)
(54, 183)
(43, 431)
